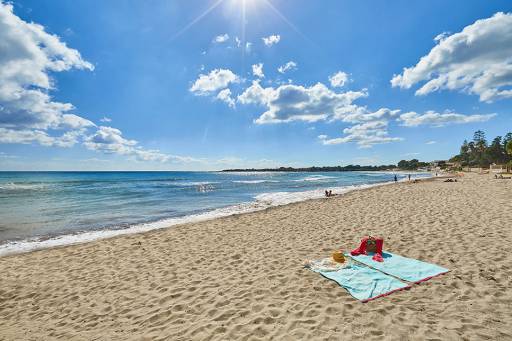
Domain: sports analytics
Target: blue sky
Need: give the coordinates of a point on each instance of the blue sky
(177, 85)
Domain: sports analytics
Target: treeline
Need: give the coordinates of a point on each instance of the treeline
(317, 169)
(412, 164)
(480, 153)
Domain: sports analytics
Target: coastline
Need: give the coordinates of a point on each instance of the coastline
(241, 276)
(261, 202)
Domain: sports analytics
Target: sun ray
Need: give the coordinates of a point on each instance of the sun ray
(193, 22)
(281, 15)
(244, 42)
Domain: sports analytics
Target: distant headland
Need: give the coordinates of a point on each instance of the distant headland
(349, 168)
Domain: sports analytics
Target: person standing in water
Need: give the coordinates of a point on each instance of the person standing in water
(409, 177)
(396, 179)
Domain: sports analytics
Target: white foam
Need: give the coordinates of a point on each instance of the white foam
(11, 186)
(194, 183)
(253, 181)
(249, 173)
(316, 178)
(262, 202)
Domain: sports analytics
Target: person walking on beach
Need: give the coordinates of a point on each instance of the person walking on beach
(409, 177)
(396, 179)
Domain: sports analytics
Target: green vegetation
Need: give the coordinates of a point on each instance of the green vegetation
(479, 153)
(509, 148)
(317, 169)
(412, 164)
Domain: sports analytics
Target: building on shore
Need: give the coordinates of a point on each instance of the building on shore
(498, 169)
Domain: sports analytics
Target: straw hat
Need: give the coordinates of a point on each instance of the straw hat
(338, 256)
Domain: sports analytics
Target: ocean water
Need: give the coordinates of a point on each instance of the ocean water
(43, 209)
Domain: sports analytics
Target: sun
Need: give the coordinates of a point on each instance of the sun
(246, 2)
(244, 6)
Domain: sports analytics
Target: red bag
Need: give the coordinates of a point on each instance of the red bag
(370, 244)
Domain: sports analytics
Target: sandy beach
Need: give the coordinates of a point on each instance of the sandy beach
(241, 277)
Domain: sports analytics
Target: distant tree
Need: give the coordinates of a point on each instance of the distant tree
(479, 149)
(411, 164)
(464, 152)
(496, 153)
(478, 153)
(509, 148)
(506, 140)
(479, 137)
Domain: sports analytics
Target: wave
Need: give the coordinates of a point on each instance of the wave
(13, 186)
(316, 178)
(262, 201)
(249, 173)
(194, 183)
(253, 181)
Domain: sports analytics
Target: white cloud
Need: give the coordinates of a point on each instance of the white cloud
(216, 80)
(431, 142)
(357, 114)
(25, 136)
(477, 60)
(106, 119)
(365, 135)
(339, 79)
(257, 70)
(75, 122)
(441, 36)
(291, 102)
(432, 118)
(323, 137)
(248, 46)
(28, 114)
(27, 55)
(291, 65)
(256, 94)
(271, 40)
(110, 140)
(225, 96)
(28, 136)
(221, 38)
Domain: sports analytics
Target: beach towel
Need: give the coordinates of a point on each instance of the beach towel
(362, 282)
(408, 269)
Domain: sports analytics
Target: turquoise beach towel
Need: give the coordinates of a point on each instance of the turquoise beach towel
(364, 283)
(408, 269)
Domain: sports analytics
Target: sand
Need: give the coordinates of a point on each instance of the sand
(241, 277)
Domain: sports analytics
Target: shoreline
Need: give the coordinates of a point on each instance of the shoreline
(12, 248)
(242, 276)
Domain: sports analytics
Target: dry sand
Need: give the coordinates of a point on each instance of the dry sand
(240, 277)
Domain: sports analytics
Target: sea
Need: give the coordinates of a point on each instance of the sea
(46, 209)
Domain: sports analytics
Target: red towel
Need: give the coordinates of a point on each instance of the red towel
(361, 250)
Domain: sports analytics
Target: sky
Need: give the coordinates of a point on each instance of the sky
(216, 84)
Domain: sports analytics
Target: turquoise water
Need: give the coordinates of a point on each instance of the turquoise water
(42, 205)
